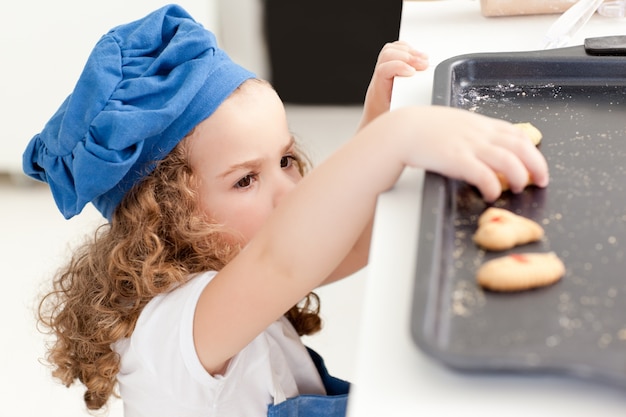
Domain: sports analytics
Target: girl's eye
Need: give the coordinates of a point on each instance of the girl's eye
(245, 182)
(286, 161)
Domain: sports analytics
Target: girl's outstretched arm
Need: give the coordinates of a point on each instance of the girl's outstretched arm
(317, 224)
(396, 59)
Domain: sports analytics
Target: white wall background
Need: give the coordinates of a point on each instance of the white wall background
(44, 46)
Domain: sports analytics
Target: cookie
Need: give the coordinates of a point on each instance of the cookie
(519, 272)
(531, 131)
(500, 229)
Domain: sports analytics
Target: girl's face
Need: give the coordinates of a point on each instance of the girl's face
(244, 157)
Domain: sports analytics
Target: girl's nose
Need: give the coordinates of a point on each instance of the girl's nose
(283, 185)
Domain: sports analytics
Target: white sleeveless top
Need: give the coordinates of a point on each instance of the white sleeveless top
(161, 374)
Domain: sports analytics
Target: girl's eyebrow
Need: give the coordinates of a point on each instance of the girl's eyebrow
(254, 164)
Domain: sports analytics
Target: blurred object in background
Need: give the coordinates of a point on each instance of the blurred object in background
(324, 51)
(524, 7)
(569, 23)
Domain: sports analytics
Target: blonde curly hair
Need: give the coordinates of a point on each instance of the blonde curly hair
(156, 239)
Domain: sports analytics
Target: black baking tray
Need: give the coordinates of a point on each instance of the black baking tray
(578, 325)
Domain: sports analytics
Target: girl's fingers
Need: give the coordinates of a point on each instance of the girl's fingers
(402, 52)
(482, 177)
(503, 161)
(522, 147)
(392, 69)
(402, 46)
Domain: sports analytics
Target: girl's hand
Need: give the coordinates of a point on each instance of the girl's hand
(470, 147)
(396, 59)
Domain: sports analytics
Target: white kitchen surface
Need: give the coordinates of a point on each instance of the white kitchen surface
(393, 376)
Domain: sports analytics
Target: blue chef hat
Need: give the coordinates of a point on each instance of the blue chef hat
(146, 84)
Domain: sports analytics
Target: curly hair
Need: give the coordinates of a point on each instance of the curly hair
(157, 238)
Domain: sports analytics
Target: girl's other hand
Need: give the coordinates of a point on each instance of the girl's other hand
(396, 59)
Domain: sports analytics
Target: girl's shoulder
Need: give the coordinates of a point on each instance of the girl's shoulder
(169, 313)
(194, 285)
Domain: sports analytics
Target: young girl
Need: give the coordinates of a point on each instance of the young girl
(192, 298)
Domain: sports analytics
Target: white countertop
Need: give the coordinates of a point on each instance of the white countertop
(393, 376)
